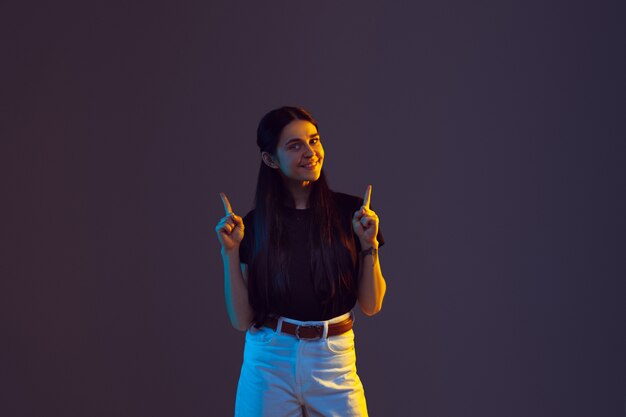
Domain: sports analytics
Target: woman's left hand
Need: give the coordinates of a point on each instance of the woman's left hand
(365, 222)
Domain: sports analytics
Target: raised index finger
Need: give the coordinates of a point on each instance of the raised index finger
(226, 203)
(368, 195)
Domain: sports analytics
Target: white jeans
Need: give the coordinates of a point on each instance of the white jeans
(282, 376)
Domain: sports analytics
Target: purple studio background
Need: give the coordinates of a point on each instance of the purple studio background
(492, 132)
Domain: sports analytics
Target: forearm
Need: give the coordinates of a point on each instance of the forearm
(236, 292)
(372, 284)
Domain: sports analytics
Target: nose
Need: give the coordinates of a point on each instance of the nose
(309, 152)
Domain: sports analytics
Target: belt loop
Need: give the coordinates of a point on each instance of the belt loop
(279, 325)
(325, 333)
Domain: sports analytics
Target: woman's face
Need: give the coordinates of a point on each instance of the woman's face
(300, 153)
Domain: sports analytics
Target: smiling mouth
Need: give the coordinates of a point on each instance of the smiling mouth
(310, 165)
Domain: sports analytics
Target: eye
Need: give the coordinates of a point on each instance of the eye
(313, 141)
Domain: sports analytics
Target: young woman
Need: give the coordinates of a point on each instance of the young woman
(307, 255)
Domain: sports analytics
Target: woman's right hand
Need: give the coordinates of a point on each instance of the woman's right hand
(230, 228)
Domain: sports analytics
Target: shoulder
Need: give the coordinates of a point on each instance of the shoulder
(347, 202)
(249, 214)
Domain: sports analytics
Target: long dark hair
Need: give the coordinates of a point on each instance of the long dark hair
(268, 276)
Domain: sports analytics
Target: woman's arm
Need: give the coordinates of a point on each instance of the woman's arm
(230, 231)
(236, 290)
(372, 284)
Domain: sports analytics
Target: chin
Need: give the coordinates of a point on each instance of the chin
(314, 177)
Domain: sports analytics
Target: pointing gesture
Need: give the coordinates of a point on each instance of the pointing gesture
(226, 203)
(230, 227)
(367, 197)
(365, 222)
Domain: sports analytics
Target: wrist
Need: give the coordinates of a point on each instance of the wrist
(371, 251)
(367, 245)
(229, 253)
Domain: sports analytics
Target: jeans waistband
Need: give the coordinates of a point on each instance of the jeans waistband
(313, 329)
(318, 323)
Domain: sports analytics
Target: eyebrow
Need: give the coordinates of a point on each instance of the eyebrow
(311, 136)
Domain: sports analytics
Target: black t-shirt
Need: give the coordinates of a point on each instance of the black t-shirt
(302, 303)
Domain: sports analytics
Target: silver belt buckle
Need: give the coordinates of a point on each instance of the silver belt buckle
(319, 329)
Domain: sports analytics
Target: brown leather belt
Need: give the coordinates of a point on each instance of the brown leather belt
(310, 331)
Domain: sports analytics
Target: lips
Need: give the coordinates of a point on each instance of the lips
(310, 165)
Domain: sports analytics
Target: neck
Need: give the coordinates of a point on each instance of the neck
(300, 192)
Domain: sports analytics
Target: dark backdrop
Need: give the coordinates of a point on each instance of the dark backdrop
(492, 132)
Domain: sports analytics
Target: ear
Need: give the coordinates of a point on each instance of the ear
(269, 161)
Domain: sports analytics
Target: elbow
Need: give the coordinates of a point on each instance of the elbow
(241, 326)
(240, 323)
(373, 307)
(371, 310)
(240, 320)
